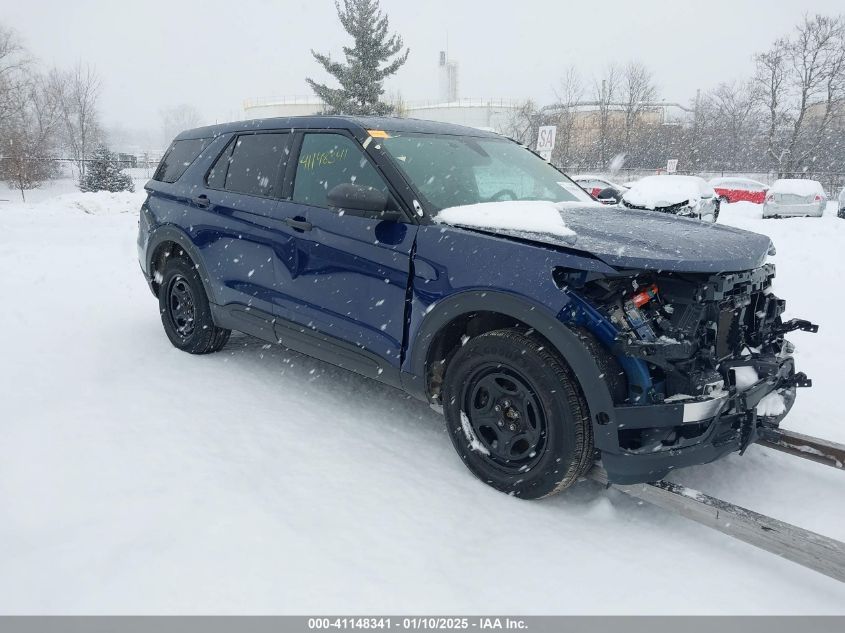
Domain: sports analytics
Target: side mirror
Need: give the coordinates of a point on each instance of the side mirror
(609, 195)
(351, 198)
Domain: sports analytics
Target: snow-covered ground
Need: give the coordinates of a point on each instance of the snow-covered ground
(138, 479)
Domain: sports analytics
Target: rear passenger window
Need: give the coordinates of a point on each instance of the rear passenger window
(256, 164)
(178, 158)
(216, 178)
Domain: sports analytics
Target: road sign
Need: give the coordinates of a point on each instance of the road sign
(546, 140)
(671, 165)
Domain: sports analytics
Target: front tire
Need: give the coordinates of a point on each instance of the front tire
(185, 311)
(515, 415)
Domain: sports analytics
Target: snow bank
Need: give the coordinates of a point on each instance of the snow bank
(654, 192)
(798, 187)
(115, 502)
(532, 216)
(99, 203)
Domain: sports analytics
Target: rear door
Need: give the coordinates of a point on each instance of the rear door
(242, 191)
(352, 279)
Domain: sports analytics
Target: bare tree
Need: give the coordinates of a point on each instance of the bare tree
(565, 116)
(178, 118)
(800, 81)
(77, 92)
(15, 64)
(637, 92)
(523, 122)
(605, 90)
(29, 135)
(732, 116)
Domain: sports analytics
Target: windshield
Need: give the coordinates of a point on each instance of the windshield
(451, 171)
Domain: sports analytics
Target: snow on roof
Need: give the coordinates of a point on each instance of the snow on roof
(797, 186)
(588, 177)
(662, 191)
(529, 216)
(743, 183)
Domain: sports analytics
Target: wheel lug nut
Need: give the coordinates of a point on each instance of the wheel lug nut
(497, 408)
(501, 424)
(512, 427)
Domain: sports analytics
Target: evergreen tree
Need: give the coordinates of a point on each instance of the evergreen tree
(104, 173)
(367, 62)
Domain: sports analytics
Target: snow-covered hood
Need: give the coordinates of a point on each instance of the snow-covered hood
(628, 238)
(648, 240)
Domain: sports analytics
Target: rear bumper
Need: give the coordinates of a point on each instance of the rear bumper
(652, 440)
(793, 210)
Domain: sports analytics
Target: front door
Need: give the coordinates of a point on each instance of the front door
(352, 278)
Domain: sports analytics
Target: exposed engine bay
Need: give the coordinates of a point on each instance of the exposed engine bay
(712, 342)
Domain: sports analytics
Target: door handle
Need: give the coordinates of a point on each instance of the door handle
(299, 224)
(202, 201)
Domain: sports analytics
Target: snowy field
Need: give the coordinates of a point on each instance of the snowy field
(138, 479)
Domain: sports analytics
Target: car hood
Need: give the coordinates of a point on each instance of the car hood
(650, 240)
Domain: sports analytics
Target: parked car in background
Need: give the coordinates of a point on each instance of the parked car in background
(739, 190)
(795, 197)
(688, 196)
(841, 212)
(594, 185)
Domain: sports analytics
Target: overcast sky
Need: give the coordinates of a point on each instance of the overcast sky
(214, 54)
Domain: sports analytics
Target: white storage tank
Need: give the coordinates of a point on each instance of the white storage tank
(269, 107)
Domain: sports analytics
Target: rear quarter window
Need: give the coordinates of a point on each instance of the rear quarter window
(178, 158)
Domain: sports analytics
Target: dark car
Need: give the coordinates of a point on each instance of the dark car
(406, 251)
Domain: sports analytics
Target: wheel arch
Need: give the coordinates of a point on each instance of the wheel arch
(161, 243)
(436, 341)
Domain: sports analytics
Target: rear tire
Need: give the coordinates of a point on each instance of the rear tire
(185, 311)
(516, 416)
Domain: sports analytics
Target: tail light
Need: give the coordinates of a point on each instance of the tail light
(818, 198)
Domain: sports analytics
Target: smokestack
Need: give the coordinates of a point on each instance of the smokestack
(448, 75)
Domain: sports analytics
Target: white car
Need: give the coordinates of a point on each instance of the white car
(688, 196)
(795, 197)
(596, 184)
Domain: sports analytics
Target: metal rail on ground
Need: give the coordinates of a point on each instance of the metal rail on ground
(809, 549)
(804, 446)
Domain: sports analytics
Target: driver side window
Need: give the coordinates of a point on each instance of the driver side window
(328, 160)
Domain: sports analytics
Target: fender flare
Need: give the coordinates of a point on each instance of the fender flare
(171, 233)
(536, 316)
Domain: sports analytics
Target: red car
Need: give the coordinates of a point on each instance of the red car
(739, 190)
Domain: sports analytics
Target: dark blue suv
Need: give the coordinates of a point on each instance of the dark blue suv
(408, 251)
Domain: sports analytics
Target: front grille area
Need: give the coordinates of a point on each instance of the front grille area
(728, 334)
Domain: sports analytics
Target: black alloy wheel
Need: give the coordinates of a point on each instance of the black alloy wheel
(506, 416)
(185, 310)
(180, 306)
(515, 414)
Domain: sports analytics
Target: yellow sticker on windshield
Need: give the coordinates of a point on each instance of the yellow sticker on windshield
(378, 133)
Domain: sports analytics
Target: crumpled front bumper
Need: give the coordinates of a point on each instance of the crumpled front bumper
(644, 443)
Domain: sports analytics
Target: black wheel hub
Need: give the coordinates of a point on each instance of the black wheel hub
(180, 306)
(506, 417)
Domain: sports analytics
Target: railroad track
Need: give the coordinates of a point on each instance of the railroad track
(809, 549)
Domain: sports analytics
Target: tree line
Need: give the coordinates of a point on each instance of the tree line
(787, 117)
(51, 116)
(42, 113)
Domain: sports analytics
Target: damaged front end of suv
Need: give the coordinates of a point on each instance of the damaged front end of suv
(697, 363)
